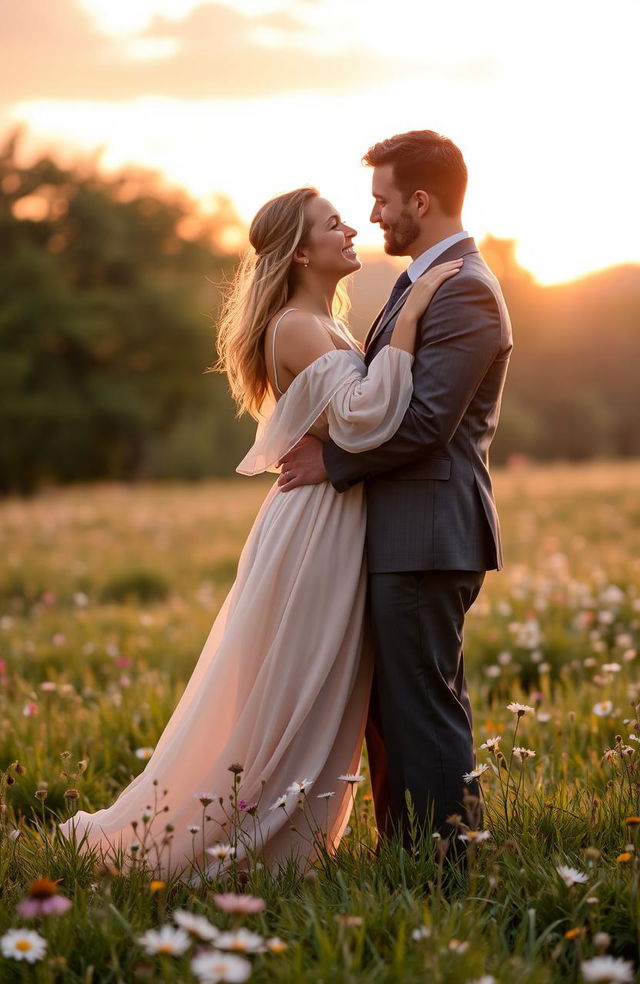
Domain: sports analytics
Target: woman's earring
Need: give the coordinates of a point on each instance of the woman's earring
(306, 264)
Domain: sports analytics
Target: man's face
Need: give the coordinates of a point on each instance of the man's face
(395, 217)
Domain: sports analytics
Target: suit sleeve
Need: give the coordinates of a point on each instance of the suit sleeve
(459, 337)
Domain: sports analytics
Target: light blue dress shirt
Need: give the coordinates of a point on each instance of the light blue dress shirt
(420, 264)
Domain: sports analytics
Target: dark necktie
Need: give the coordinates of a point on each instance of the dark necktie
(401, 284)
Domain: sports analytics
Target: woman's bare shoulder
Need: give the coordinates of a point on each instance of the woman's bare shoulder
(300, 338)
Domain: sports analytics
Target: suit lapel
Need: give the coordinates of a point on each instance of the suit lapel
(374, 325)
(454, 252)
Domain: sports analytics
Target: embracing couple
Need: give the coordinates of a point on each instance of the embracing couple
(347, 613)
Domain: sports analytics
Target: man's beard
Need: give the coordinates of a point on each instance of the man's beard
(401, 235)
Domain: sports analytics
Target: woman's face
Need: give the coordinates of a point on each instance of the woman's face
(329, 243)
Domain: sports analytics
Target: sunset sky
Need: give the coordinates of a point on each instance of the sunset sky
(252, 97)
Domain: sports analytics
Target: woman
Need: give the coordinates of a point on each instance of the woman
(281, 688)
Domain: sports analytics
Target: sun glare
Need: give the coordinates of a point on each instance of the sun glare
(551, 149)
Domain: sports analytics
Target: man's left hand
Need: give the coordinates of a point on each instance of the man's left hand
(303, 465)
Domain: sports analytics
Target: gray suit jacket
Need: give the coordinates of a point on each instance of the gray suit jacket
(429, 495)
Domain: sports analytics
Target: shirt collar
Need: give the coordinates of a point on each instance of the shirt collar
(422, 262)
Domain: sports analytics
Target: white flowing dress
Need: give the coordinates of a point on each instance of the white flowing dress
(282, 684)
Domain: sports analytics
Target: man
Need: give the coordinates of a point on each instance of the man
(432, 529)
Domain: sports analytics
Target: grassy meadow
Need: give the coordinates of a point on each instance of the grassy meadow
(106, 596)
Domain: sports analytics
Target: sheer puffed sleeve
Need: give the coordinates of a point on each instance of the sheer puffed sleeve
(364, 407)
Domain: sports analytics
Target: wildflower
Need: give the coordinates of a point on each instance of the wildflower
(194, 828)
(572, 934)
(221, 851)
(167, 939)
(205, 798)
(352, 779)
(48, 686)
(632, 821)
(276, 945)
(346, 920)
(611, 667)
(71, 794)
(475, 836)
(492, 743)
(23, 944)
(236, 768)
(30, 709)
(528, 635)
(157, 885)
(143, 753)
(43, 900)
(609, 754)
(280, 802)
(626, 750)
(592, 900)
(421, 933)
(601, 941)
(325, 796)
(485, 979)
(571, 876)
(625, 856)
(603, 708)
(519, 709)
(475, 773)
(195, 924)
(543, 717)
(300, 787)
(523, 753)
(245, 807)
(211, 967)
(245, 904)
(241, 941)
(612, 969)
(458, 946)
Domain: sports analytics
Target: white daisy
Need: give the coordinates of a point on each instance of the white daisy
(281, 802)
(325, 796)
(475, 836)
(475, 773)
(492, 743)
(519, 709)
(205, 798)
(612, 969)
(241, 941)
(523, 753)
(167, 939)
(195, 924)
(300, 787)
(211, 967)
(571, 876)
(276, 945)
(348, 777)
(23, 944)
(421, 933)
(603, 708)
(143, 753)
(221, 851)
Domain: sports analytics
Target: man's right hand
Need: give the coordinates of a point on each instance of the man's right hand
(303, 465)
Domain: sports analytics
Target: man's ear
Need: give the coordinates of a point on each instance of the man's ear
(423, 202)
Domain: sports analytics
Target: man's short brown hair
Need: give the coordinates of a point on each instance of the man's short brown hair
(423, 160)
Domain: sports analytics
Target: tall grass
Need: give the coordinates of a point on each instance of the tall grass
(107, 595)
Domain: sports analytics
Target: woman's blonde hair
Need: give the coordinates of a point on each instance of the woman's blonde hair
(260, 287)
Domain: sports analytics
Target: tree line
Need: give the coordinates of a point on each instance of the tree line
(109, 287)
